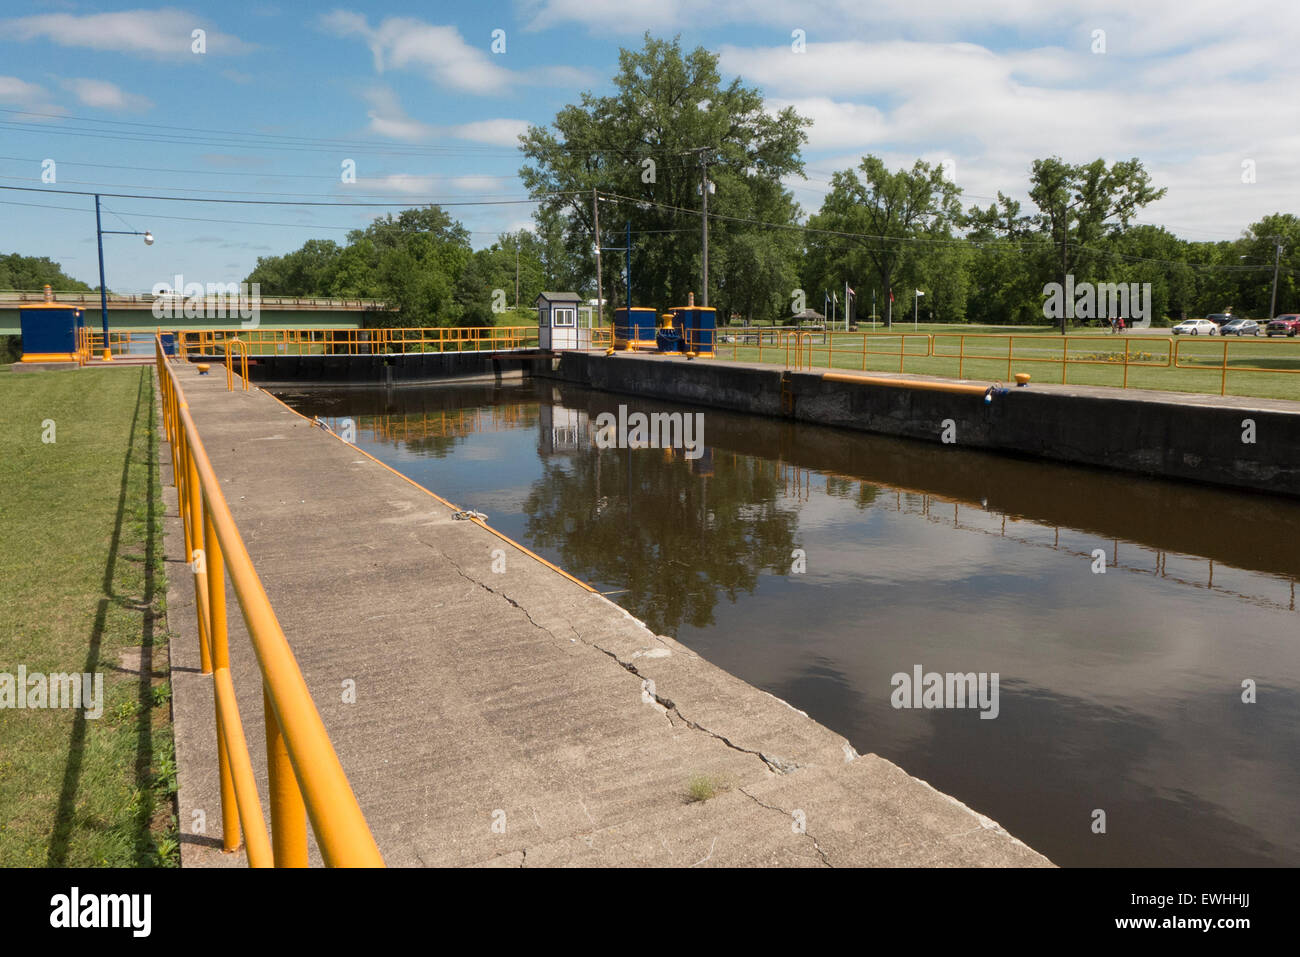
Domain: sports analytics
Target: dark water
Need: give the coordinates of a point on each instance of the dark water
(1119, 691)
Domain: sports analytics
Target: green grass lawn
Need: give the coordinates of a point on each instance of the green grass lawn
(82, 590)
(1258, 367)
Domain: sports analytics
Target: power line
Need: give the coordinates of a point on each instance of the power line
(241, 192)
(250, 174)
(408, 203)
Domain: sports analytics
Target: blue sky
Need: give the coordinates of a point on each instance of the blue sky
(1205, 93)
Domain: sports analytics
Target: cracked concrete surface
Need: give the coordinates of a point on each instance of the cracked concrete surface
(511, 719)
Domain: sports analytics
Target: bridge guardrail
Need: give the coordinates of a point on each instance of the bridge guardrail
(148, 299)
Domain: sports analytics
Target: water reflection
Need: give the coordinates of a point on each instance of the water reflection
(1120, 691)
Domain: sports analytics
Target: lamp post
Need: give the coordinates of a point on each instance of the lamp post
(1277, 259)
(103, 291)
(916, 301)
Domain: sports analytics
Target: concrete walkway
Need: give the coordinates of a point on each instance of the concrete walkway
(511, 718)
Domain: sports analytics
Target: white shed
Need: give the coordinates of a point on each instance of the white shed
(557, 320)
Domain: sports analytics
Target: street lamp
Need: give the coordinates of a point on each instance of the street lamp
(916, 301)
(103, 291)
(1277, 259)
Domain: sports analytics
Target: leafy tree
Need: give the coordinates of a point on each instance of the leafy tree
(1259, 248)
(35, 272)
(884, 214)
(670, 117)
(1080, 205)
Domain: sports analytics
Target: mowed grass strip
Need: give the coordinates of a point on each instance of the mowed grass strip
(82, 590)
(1257, 367)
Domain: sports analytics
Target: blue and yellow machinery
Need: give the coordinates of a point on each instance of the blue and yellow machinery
(634, 328)
(698, 326)
(50, 330)
(669, 336)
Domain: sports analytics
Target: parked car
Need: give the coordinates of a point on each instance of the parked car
(1196, 327)
(1219, 318)
(1239, 327)
(1288, 325)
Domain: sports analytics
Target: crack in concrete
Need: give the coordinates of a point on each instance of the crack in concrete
(773, 764)
(490, 590)
(806, 833)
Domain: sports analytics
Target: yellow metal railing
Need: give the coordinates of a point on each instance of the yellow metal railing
(236, 346)
(360, 341)
(121, 342)
(305, 779)
(1037, 347)
(946, 353)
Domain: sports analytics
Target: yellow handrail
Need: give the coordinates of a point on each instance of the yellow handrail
(305, 779)
(239, 346)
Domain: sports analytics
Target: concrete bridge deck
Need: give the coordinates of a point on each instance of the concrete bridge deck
(516, 698)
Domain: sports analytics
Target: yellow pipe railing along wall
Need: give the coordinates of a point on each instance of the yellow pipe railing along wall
(306, 780)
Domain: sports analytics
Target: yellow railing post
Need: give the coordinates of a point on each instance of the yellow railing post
(1065, 360)
(288, 813)
(1223, 384)
(194, 507)
(220, 660)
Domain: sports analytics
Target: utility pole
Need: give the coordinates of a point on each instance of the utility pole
(1277, 257)
(600, 292)
(516, 270)
(704, 220)
(1065, 244)
(1065, 239)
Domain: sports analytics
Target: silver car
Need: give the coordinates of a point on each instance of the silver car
(1196, 327)
(1239, 327)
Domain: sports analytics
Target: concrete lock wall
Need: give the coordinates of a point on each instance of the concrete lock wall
(361, 370)
(1199, 438)
(1194, 437)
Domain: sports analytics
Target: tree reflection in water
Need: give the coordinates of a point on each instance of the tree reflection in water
(649, 521)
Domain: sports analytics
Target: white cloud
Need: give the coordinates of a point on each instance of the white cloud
(387, 118)
(494, 132)
(995, 112)
(836, 124)
(439, 52)
(16, 93)
(164, 33)
(103, 95)
(1153, 26)
(479, 184)
(405, 183)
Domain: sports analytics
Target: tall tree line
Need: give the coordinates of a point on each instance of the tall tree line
(673, 129)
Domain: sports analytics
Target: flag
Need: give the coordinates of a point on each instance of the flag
(891, 294)
(851, 292)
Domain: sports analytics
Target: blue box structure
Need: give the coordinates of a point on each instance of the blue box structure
(634, 328)
(50, 331)
(698, 325)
